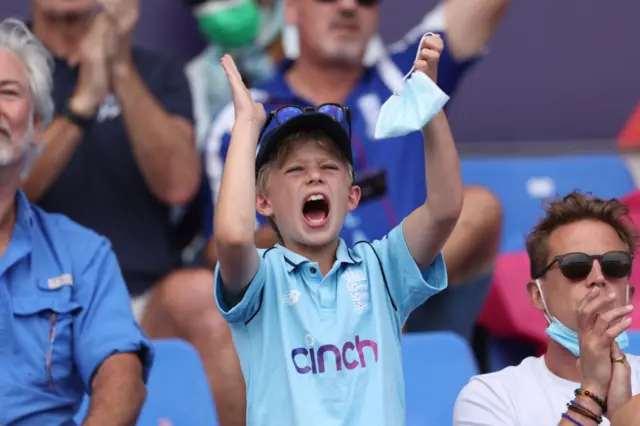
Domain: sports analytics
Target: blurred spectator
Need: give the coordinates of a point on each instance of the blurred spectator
(66, 325)
(119, 154)
(247, 29)
(580, 256)
(333, 39)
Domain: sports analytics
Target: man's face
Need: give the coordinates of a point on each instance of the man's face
(67, 9)
(334, 30)
(17, 126)
(309, 194)
(563, 296)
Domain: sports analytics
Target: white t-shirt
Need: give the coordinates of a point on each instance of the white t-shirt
(524, 395)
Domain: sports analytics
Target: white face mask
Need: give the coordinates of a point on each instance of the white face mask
(567, 337)
(410, 110)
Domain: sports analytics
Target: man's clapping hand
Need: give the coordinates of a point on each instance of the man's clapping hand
(599, 324)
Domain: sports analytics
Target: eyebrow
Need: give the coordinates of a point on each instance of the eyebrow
(4, 83)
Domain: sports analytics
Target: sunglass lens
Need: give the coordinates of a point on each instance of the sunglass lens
(616, 264)
(335, 111)
(360, 2)
(287, 113)
(576, 266)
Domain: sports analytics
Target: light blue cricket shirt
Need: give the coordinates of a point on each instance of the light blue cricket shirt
(326, 351)
(64, 309)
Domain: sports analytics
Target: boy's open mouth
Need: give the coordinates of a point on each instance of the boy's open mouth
(316, 210)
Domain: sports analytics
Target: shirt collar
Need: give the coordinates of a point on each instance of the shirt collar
(277, 87)
(24, 213)
(280, 93)
(21, 237)
(343, 256)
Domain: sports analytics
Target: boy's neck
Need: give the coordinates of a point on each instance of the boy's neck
(324, 256)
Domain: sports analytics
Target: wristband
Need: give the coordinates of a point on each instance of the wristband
(593, 396)
(571, 419)
(81, 122)
(584, 411)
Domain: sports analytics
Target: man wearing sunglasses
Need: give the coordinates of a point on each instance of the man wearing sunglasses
(335, 39)
(581, 255)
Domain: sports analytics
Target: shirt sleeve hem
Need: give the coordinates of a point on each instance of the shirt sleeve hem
(142, 349)
(245, 307)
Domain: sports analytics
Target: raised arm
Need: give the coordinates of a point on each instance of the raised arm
(427, 228)
(470, 24)
(235, 213)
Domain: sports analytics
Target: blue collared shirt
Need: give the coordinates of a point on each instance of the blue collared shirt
(326, 350)
(401, 158)
(64, 309)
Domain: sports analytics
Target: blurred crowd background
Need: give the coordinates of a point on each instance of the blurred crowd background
(552, 106)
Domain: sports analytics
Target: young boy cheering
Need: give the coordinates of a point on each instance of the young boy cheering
(317, 325)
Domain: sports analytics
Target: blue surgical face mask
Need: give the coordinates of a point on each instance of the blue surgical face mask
(411, 109)
(568, 338)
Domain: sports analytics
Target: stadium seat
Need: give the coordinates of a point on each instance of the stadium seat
(178, 390)
(522, 183)
(436, 368)
(503, 353)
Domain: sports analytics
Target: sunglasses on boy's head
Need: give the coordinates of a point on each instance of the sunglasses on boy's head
(283, 114)
(360, 2)
(577, 266)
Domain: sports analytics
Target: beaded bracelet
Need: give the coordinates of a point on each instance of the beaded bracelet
(568, 417)
(596, 398)
(581, 409)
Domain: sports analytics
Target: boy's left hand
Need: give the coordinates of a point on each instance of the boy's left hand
(427, 61)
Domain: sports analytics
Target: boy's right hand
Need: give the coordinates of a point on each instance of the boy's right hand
(247, 110)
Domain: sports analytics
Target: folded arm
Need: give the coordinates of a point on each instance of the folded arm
(117, 392)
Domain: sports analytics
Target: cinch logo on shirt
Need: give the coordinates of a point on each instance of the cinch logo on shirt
(312, 360)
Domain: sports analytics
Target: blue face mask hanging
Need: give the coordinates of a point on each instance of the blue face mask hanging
(569, 338)
(411, 109)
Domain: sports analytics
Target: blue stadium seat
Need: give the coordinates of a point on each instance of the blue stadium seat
(522, 183)
(178, 390)
(503, 353)
(634, 342)
(436, 368)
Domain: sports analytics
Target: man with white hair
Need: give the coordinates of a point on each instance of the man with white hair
(66, 325)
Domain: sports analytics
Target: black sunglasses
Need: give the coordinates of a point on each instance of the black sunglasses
(367, 3)
(577, 266)
(283, 114)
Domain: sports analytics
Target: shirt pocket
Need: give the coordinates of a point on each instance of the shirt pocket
(44, 326)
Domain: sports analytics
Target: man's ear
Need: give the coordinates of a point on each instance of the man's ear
(632, 292)
(535, 296)
(263, 206)
(354, 197)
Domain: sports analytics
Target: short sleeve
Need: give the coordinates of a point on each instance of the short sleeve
(105, 326)
(250, 303)
(408, 286)
(482, 405)
(174, 91)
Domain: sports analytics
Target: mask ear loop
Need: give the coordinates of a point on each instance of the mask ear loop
(417, 56)
(626, 297)
(546, 312)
